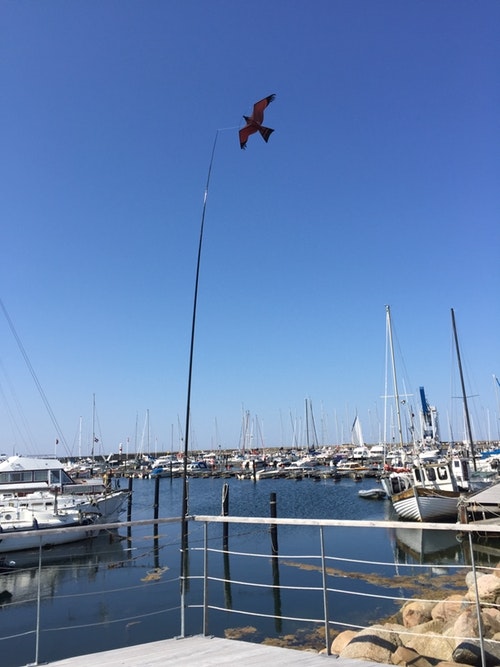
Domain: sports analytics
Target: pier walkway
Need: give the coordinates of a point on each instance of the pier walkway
(207, 652)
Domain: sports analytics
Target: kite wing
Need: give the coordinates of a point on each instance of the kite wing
(245, 132)
(254, 122)
(258, 108)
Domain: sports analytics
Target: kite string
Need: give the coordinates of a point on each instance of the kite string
(205, 197)
(221, 129)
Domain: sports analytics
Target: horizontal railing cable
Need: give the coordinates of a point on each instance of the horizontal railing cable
(213, 581)
(259, 614)
(115, 620)
(285, 557)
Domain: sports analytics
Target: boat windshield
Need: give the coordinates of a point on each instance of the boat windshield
(58, 477)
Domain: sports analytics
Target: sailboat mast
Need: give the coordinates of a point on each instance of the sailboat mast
(93, 426)
(394, 377)
(464, 395)
(307, 425)
(80, 440)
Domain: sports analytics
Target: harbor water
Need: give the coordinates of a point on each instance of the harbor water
(122, 588)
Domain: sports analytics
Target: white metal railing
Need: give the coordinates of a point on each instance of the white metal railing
(208, 559)
(464, 530)
(42, 553)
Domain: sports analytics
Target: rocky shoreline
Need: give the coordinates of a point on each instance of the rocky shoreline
(435, 634)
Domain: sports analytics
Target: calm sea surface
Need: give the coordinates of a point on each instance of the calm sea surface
(109, 592)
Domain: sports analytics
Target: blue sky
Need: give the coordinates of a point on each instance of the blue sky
(379, 186)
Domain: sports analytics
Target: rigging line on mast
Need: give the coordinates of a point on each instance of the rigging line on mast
(34, 376)
(464, 394)
(16, 428)
(394, 376)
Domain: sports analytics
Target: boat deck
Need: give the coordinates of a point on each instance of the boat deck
(488, 496)
(207, 652)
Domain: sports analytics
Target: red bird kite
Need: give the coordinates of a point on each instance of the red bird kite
(254, 122)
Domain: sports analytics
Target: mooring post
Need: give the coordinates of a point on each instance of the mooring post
(274, 527)
(225, 512)
(129, 504)
(156, 507)
(156, 501)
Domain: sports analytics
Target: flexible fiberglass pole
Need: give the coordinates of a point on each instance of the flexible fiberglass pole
(184, 530)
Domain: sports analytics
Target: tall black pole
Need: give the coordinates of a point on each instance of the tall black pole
(184, 531)
(156, 507)
(274, 527)
(466, 407)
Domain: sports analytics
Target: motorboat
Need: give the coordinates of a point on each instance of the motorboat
(22, 528)
(429, 491)
(376, 493)
(42, 484)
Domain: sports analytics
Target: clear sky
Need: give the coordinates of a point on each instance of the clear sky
(379, 186)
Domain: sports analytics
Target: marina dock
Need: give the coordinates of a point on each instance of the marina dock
(208, 652)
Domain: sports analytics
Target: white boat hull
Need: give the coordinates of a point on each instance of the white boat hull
(377, 494)
(421, 504)
(102, 508)
(107, 507)
(22, 529)
(35, 538)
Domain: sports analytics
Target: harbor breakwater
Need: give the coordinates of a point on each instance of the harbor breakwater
(426, 633)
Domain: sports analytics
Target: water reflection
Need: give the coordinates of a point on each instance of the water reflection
(276, 593)
(61, 564)
(426, 546)
(139, 575)
(228, 597)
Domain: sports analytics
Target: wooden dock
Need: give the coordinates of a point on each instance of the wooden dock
(207, 652)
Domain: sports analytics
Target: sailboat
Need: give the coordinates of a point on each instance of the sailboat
(432, 488)
(360, 450)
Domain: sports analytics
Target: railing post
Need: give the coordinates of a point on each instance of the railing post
(478, 606)
(205, 579)
(38, 603)
(182, 573)
(325, 592)
(184, 542)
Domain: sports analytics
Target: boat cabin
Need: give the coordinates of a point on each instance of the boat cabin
(450, 475)
(18, 474)
(22, 475)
